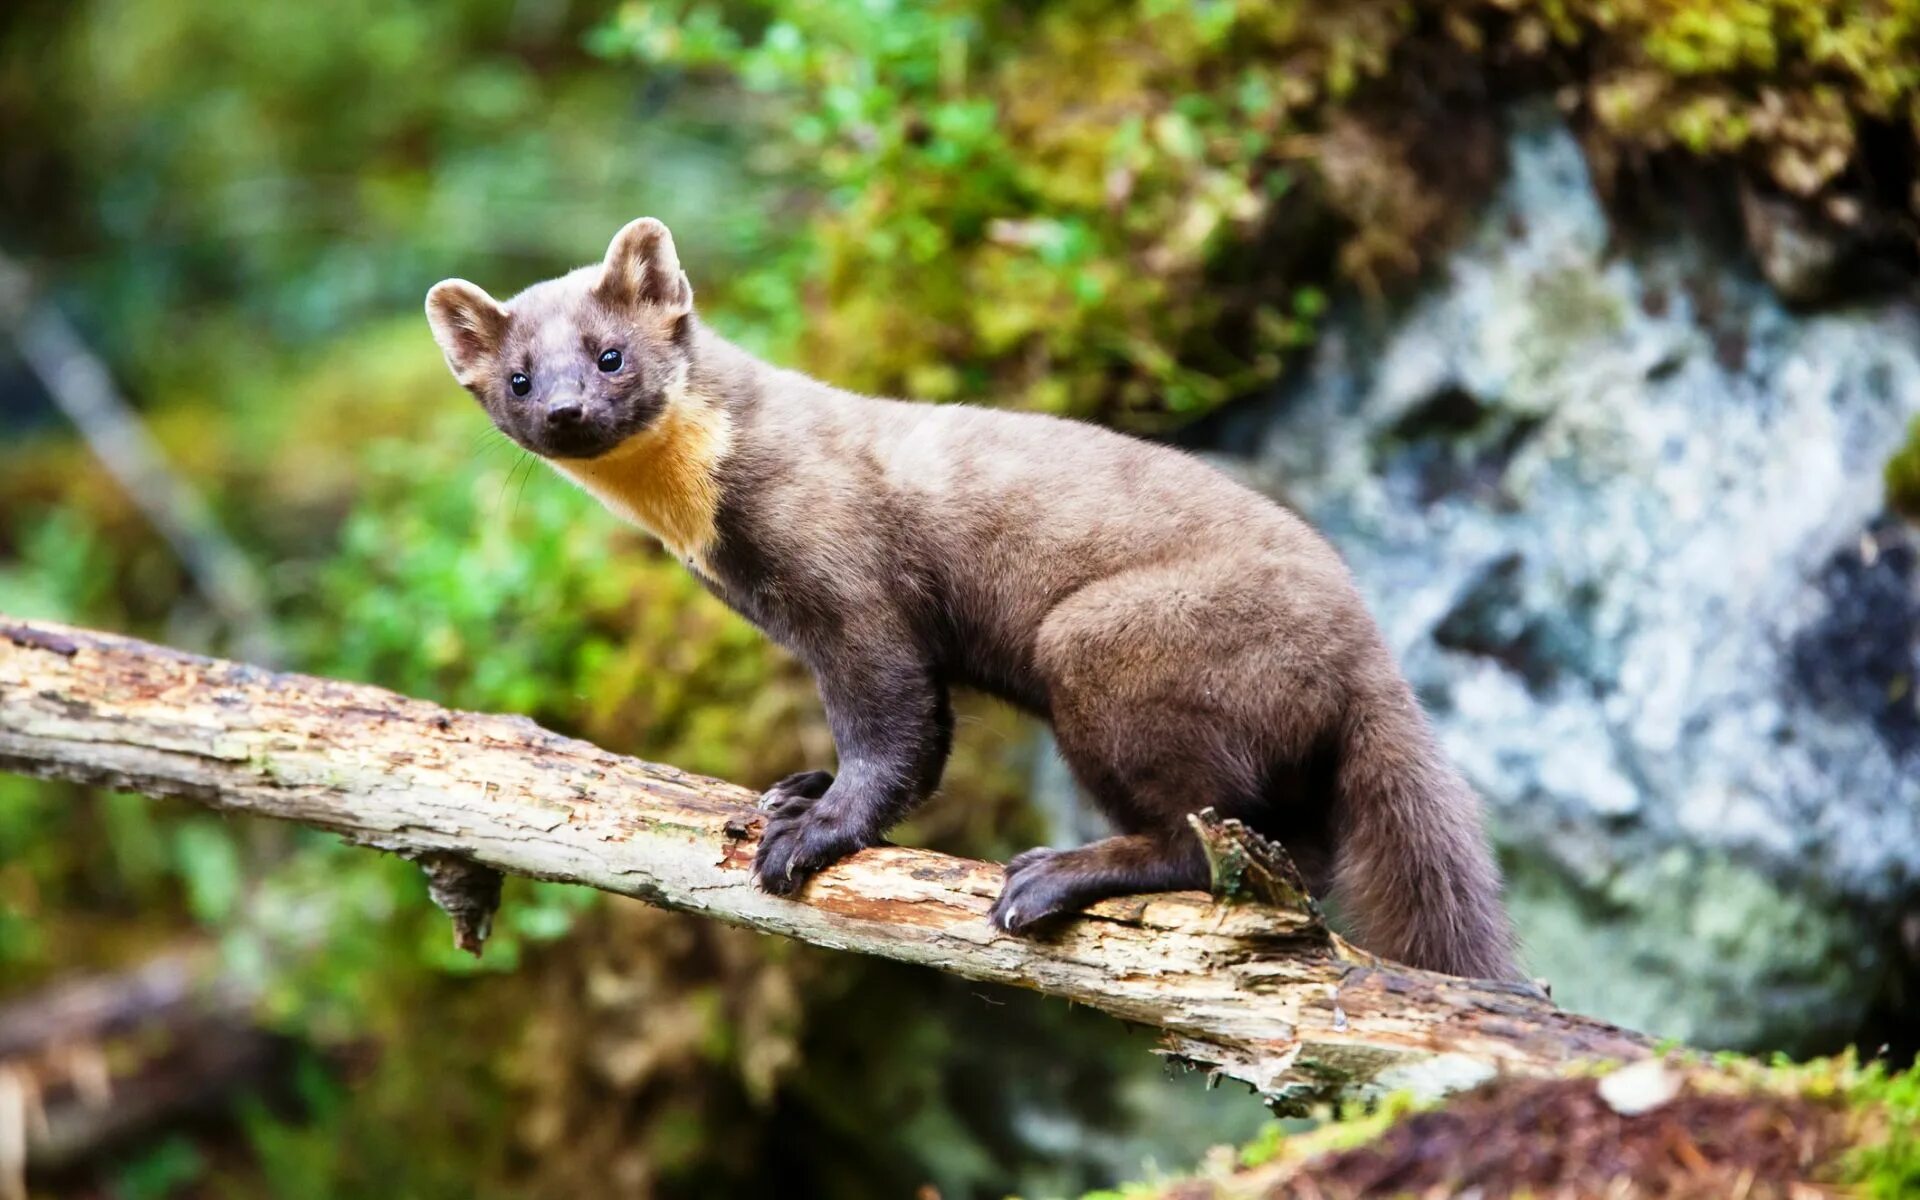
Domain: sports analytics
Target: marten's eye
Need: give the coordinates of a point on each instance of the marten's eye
(610, 360)
(520, 384)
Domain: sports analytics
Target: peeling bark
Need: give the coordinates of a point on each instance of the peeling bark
(1251, 986)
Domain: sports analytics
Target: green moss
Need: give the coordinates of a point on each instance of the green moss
(1882, 1103)
(1570, 307)
(1250, 1170)
(1264, 1148)
(1887, 1167)
(1693, 946)
(1903, 475)
(1116, 210)
(1879, 1110)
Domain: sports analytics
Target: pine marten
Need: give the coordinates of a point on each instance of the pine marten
(1192, 643)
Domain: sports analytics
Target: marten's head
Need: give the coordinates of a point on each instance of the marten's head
(576, 366)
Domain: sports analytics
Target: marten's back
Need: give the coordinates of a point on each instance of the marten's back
(976, 523)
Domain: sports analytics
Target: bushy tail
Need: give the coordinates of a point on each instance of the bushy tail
(1412, 871)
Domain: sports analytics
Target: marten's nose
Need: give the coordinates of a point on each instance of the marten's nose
(564, 412)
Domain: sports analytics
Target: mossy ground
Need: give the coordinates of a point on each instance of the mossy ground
(1732, 1126)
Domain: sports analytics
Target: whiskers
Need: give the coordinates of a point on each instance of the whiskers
(486, 444)
(531, 464)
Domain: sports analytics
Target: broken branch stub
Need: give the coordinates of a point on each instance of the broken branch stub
(1245, 867)
(468, 893)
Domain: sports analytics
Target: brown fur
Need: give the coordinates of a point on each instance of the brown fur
(1192, 643)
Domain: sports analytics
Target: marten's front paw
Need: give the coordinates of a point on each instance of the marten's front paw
(802, 835)
(1039, 885)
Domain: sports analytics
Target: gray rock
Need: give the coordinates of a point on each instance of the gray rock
(1621, 515)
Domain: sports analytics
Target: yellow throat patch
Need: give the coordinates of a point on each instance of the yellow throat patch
(664, 478)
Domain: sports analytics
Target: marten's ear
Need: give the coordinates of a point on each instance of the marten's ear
(467, 323)
(642, 268)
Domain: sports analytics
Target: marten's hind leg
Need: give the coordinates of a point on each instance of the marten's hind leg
(1042, 883)
(1146, 783)
(1146, 776)
(1172, 689)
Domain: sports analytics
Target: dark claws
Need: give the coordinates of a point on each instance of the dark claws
(802, 836)
(1037, 887)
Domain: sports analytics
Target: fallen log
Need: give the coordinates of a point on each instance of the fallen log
(98, 1007)
(87, 1065)
(1248, 983)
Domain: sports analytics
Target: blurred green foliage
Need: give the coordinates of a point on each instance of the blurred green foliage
(1133, 211)
(1022, 204)
(307, 168)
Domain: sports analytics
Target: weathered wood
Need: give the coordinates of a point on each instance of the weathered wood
(1251, 988)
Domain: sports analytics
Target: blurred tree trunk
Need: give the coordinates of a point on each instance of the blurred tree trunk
(83, 389)
(88, 1064)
